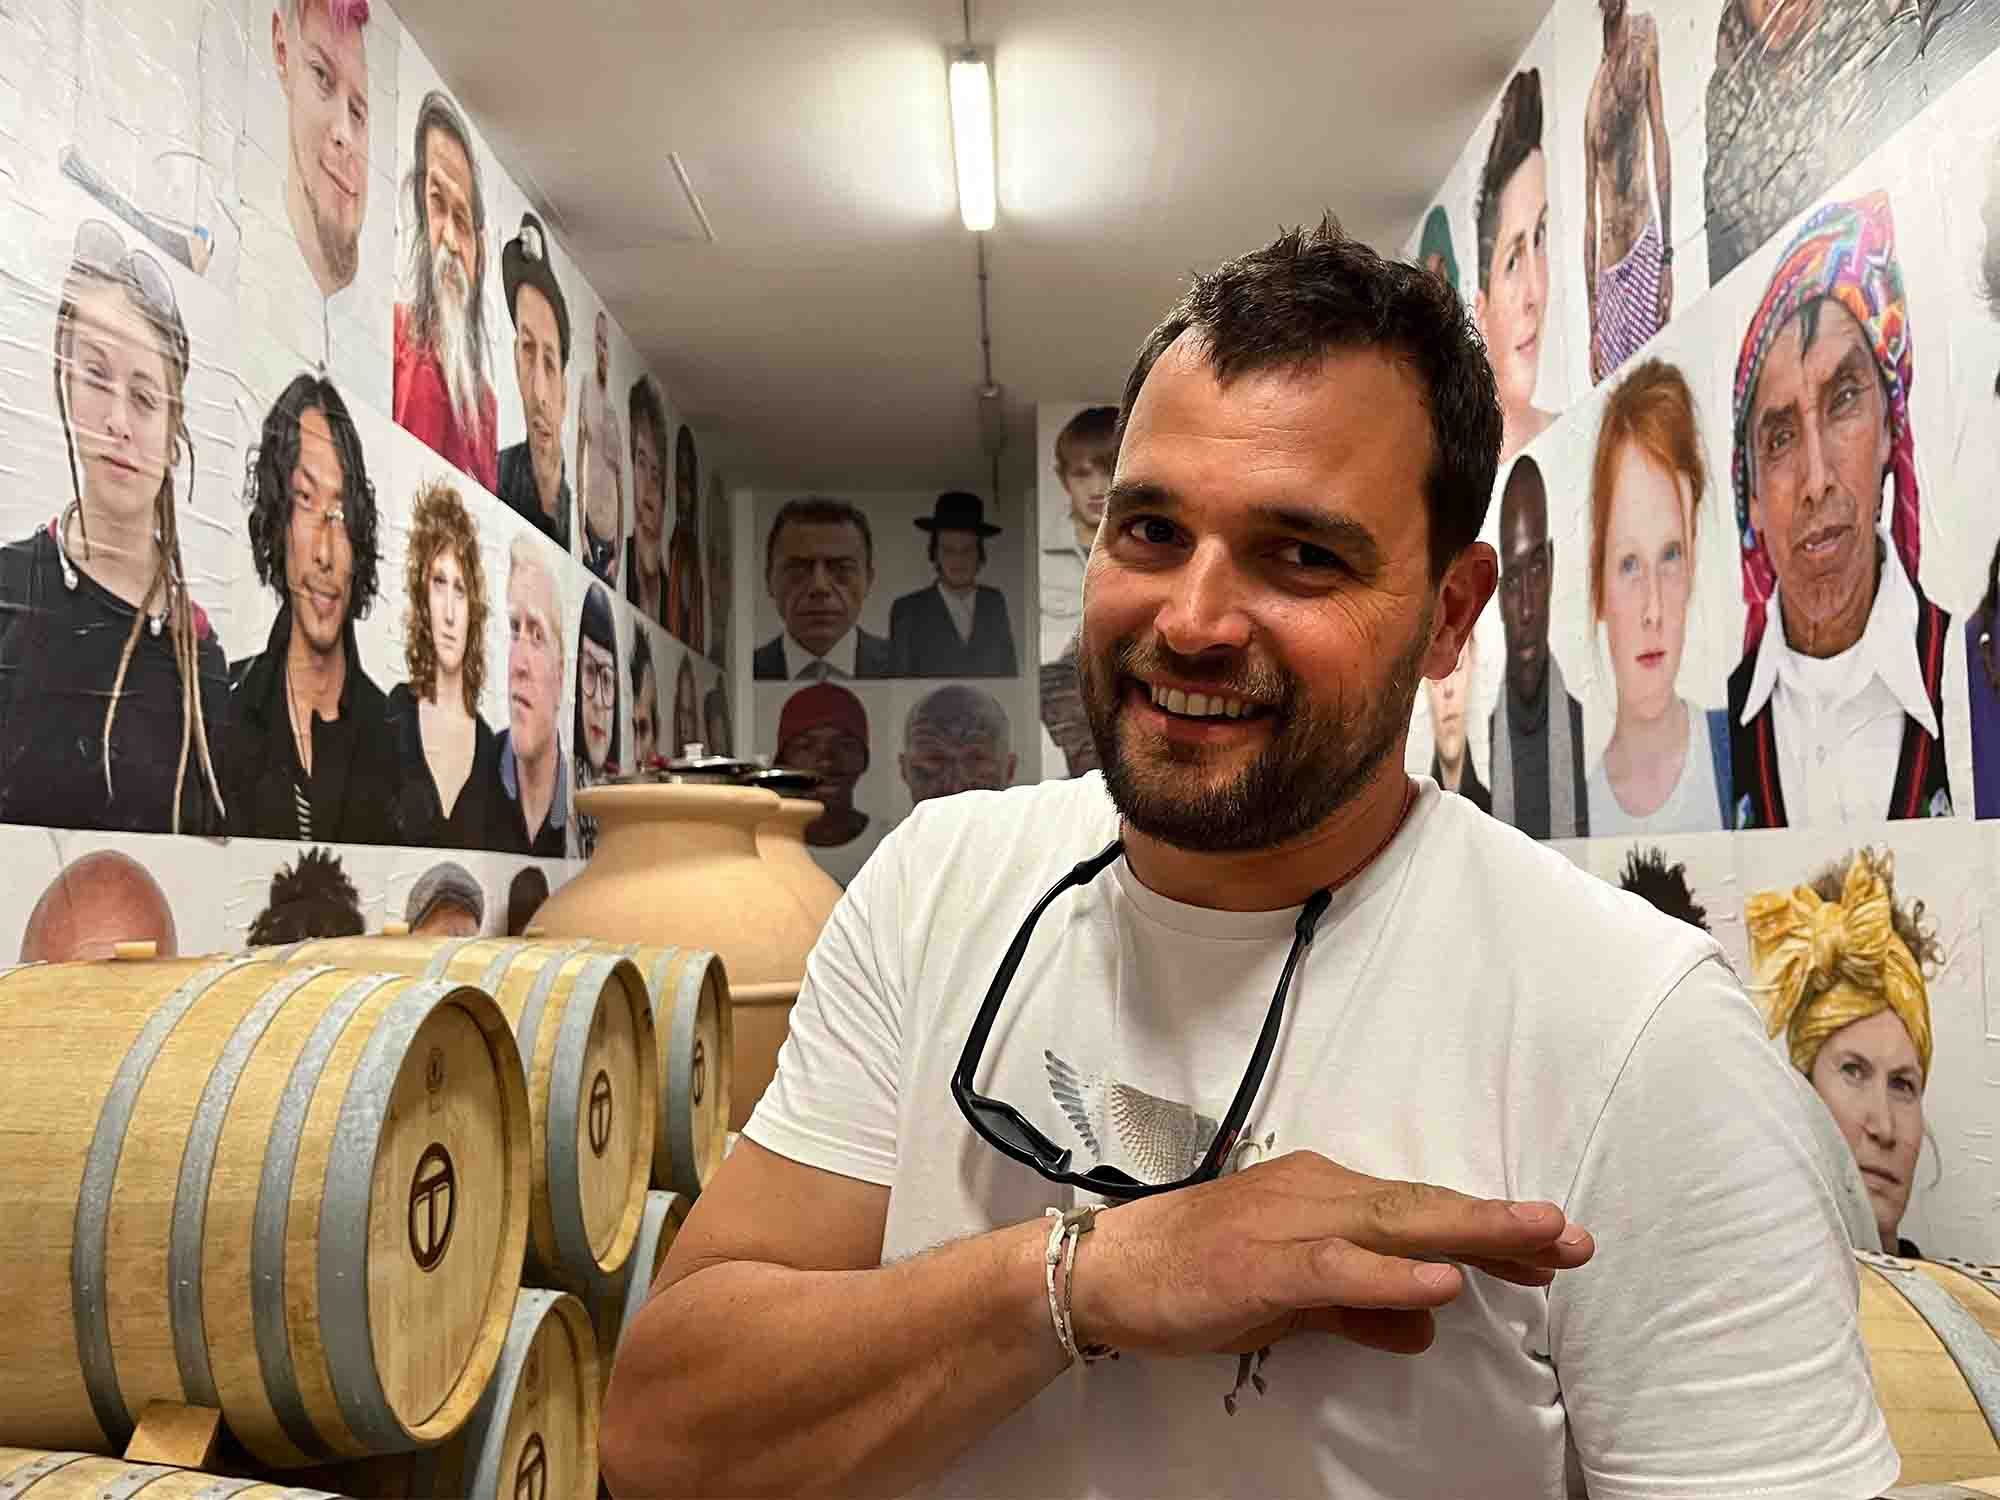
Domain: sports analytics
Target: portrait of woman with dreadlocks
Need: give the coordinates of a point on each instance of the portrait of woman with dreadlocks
(113, 687)
(1842, 971)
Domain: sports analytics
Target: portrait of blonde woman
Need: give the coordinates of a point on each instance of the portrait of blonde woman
(1666, 766)
(113, 687)
(450, 754)
(1842, 972)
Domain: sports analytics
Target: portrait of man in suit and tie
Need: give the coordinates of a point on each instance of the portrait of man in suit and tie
(958, 627)
(819, 563)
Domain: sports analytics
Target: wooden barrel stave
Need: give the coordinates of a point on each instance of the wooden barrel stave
(32, 1474)
(1926, 1355)
(190, 1112)
(691, 1001)
(576, 1012)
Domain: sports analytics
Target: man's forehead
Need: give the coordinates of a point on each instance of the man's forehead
(346, 45)
(447, 161)
(319, 459)
(819, 538)
(1835, 337)
(534, 315)
(533, 592)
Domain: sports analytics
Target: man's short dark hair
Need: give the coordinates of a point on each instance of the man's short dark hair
(310, 899)
(269, 481)
(525, 894)
(818, 510)
(1095, 428)
(1309, 293)
(1648, 874)
(1517, 135)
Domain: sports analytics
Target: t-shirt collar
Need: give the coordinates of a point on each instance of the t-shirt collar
(1887, 649)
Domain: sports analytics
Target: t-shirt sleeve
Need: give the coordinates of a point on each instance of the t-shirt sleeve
(1712, 1347)
(832, 1104)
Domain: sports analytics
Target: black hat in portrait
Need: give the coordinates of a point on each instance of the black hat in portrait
(525, 262)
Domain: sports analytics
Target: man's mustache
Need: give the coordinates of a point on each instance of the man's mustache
(1240, 677)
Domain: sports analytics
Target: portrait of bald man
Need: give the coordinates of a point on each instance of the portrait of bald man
(95, 902)
(956, 740)
(1537, 727)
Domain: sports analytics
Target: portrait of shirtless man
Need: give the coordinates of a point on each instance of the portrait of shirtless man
(1628, 250)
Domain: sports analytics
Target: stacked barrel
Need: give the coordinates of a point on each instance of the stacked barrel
(1933, 1336)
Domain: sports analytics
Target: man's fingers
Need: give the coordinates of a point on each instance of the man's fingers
(1338, 1273)
(1419, 1219)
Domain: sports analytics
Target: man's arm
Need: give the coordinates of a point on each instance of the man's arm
(1663, 168)
(1713, 1347)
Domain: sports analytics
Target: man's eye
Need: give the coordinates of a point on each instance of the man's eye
(1154, 531)
(1311, 557)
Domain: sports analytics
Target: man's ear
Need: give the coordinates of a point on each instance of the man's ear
(280, 53)
(1462, 596)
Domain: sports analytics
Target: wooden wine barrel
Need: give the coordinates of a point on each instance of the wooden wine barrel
(616, 1303)
(1965, 1489)
(1977, 1289)
(1937, 1374)
(587, 1037)
(32, 1474)
(296, 1195)
(693, 1013)
(534, 1434)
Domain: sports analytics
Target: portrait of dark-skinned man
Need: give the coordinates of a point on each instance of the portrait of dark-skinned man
(311, 754)
(1537, 727)
(1836, 711)
(958, 627)
(533, 481)
(819, 563)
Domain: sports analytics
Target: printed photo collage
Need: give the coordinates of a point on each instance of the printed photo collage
(340, 516)
(889, 654)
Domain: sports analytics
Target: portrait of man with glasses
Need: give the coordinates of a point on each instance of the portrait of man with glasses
(1539, 783)
(311, 756)
(1389, 1152)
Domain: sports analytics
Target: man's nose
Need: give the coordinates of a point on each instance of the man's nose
(1203, 608)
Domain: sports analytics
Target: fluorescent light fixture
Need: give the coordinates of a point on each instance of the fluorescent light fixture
(972, 138)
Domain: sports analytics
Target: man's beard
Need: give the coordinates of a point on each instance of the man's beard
(339, 247)
(458, 357)
(1317, 761)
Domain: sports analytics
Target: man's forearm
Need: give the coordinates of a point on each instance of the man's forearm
(749, 1379)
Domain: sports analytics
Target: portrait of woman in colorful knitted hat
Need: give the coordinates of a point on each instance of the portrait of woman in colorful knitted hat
(1842, 971)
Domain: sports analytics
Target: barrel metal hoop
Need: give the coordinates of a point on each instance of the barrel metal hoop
(343, 1221)
(447, 951)
(35, 1471)
(486, 1434)
(89, 1304)
(639, 1281)
(274, 1202)
(569, 1097)
(1971, 1348)
(133, 1480)
(187, 1244)
(223, 1489)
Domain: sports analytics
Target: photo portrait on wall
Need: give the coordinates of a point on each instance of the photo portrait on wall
(113, 683)
(686, 612)
(958, 626)
(1838, 708)
(534, 479)
(1511, 305)
(1628, 226)
(646, 423)
(443, 389)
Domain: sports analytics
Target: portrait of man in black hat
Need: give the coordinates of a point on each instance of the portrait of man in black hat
(957, 627)
(532, 480)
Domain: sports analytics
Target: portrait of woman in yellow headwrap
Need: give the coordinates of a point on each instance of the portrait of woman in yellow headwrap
(1841, 971)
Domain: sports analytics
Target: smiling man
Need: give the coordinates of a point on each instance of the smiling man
(320, 51)
(1303, 1020)
(532, 481)
(1837, 710)
(311, 754)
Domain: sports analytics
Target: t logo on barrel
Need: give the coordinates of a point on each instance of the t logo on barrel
(531, 1475)
(433, 1206)
(600, 1112)
(700, 1069)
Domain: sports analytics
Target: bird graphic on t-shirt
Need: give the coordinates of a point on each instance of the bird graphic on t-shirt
(1161, 1140)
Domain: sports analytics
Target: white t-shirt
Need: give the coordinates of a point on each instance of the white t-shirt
(1694, 805)
(1474, 1012)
